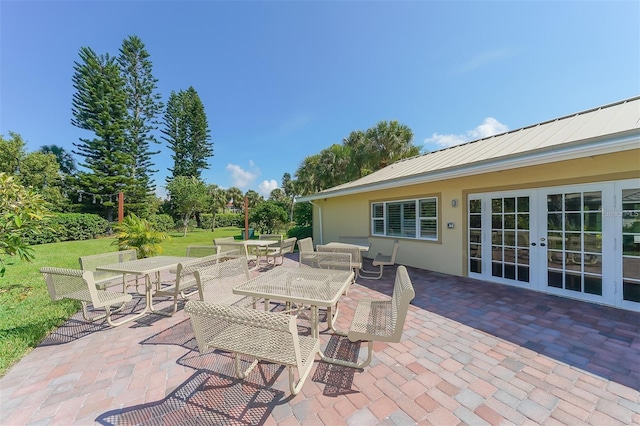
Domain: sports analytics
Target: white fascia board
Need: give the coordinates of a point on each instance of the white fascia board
(626, 142)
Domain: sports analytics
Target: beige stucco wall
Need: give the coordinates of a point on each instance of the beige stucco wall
(350, 216)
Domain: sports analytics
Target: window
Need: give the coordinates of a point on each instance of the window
(406, 219)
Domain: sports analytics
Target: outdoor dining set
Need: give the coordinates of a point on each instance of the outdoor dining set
(253, 317)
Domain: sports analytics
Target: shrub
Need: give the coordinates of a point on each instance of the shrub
(162, 222)
(230, 219)
(300, 232)
(205, 220)
(69, 227)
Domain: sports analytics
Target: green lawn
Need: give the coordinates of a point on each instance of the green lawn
(27, 314)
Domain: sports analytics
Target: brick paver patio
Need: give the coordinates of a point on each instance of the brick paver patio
(473, 353)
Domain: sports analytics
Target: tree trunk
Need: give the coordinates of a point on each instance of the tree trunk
(186, 223)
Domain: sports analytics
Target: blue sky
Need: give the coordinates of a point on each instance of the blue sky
(283, 80)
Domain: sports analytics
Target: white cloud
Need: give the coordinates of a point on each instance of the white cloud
(240, 177)
(251, 163)
(489, 127)
(266, 186)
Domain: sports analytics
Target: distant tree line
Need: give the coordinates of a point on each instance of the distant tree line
(116, 100)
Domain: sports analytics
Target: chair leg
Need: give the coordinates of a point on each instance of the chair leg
(375, 275)
(344, 363)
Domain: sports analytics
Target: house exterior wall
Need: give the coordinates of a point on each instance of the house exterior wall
(350, 215)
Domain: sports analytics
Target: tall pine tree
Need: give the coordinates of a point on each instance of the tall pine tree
(143, 107)
(100, 106)
(187, 134)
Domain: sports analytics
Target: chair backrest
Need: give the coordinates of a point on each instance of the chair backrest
(276, 237)
(201, 251)
(326, 260)
(89, 263)
(191, 266)
(227, 244)
(71, 283)
(356, 256)
(221, 277)
(403, 294)
(305, 244)
(394, 252)
(288, 245)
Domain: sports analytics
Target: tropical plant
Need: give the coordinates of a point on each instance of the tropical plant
(136, 233)
(22, 212)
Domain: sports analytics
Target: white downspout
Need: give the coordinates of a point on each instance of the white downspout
(319, 218)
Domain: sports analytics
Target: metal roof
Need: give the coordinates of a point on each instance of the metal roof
(610, 128)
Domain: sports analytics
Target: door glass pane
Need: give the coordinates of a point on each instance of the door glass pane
(572, 202)
(510, 229)
(631, 245)
(475, 234)
(574, 234)
(509, 205)
(509, 221)
(592, 201)
(554, 203)
(523, 204)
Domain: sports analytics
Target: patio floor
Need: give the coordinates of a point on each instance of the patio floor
(472, 353)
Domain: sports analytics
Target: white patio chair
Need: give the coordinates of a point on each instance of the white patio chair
(79, 285)
(356, 256)
(286, 247)
(377, 320)
(381, 261)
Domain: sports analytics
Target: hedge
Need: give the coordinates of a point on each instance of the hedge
(69, 227)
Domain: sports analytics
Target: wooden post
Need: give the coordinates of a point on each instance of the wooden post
(120, 206)
(246, 218)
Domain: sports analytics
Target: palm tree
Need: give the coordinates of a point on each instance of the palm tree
(64, 158)
(389, 142)
(235, 195)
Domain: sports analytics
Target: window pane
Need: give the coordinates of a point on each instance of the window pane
(393, 219)
(428, 228)
(428, 208)
(409, 219)
(377, 210)
(378, 227)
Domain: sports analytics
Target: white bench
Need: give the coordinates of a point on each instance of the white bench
(262, 335)
(376, 320)
(103, 278)
(79, 285)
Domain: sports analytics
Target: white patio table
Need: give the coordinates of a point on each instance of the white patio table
(338, 245)
(147, 267)
(256, 244)
(305, 286)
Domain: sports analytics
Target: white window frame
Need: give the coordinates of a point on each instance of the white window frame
(418, 219)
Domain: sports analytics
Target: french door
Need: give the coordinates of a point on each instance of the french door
(580, 241)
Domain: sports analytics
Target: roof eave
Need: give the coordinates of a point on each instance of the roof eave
(598, 146)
